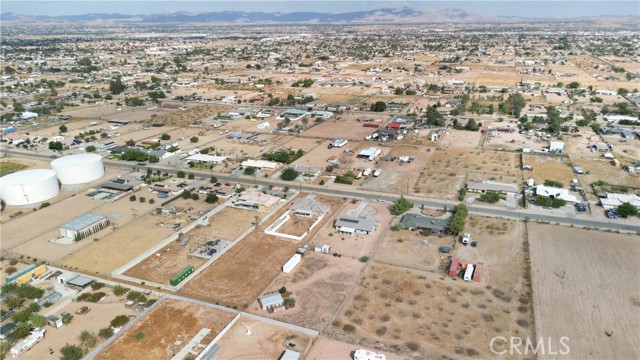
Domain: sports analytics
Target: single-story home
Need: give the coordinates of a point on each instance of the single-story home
(492, 186)
(613, 200)
(259, 164)
(209, 159)
(361, 225)
(256, 201)
(308, 207)
(420, 223)
(555, 193)
(556, 146)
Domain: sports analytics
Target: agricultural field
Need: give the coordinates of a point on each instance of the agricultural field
(265, 341)
(390, 301)
(165, 330)
(576, 301)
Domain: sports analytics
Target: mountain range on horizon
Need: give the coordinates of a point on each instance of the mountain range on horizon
(402, 15)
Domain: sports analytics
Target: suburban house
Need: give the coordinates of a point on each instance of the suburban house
(492, 186)
(613, 200)
(207, 159)
(555, 193)
(260, 164)
(306, 170)
(420, 223)
(308, 207)
(256, 201)
(292, 114)
(360, 225)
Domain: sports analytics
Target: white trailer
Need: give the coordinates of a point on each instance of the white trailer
(468, 274)
(295, 260)
(339, 142)
(377, 172)
(367, 172)
(363, 354)
(34, 337)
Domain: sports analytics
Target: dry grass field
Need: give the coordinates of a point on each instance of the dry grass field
(265, 342)
(424, 313)
(346, 127)
(406, 247)
(166, 329)
(544, 167)
(443, 172)
(604, 170)
(583, 287)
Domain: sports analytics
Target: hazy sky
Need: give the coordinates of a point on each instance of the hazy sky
(549, 8)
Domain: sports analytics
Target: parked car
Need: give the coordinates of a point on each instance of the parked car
(444, 249)
(381, 199)
(466, 238)
(83, 310)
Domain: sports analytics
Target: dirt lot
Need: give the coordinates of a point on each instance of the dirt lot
(458, 139)
(407, 248)
(96, 319)
(443, 172)
(166, 329)
(265, 342)
(343, 126)
(318, 285)
(583, 302)
(605, 171)
(544, 167)
(118, 248)
(329, 349)
(174, 257)
(255, 261)
(462, 316)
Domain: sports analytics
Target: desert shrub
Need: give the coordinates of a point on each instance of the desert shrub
(119, 321)
(119, 290)
(349, 328)
(488, 318)
(96, 285)
(413, 346)
(523, 322)
(381, 330)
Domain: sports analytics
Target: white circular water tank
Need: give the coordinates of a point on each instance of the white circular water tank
(78, 169)
(29, 187)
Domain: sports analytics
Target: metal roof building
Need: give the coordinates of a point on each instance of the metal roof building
(270, 300)
(81, 224)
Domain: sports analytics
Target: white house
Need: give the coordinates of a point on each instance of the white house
(556, 146)
(555, 193)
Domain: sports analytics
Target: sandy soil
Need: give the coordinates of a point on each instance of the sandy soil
(458, 139)
(577, 301)
(603, 170)
(98, 318)
(344, 126)
(130, 241)
(407, 248)
(265, 342)
(166, 329)
(256, 260)
(329, 349)
(318, 284)
(544, 167)
(463, 316)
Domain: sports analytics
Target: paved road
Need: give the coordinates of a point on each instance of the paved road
(353, 192)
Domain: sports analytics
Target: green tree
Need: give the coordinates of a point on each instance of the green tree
(194, 139)
(37, 320)
(90, 149)
(191, 176)
(130, 142)
(165, 137)
(213, 180)
(574, 85)
(289, 174)
(211, 198)
(378, 106)
(63, 128)
(516, 103)
(22, 330)
(71, 352)
(116, 86)
(119, 290)
(402, 205)
(626, 210)
(181, 174)
(249, 170)
(457, 221)
(623, 91)
(490, 197)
